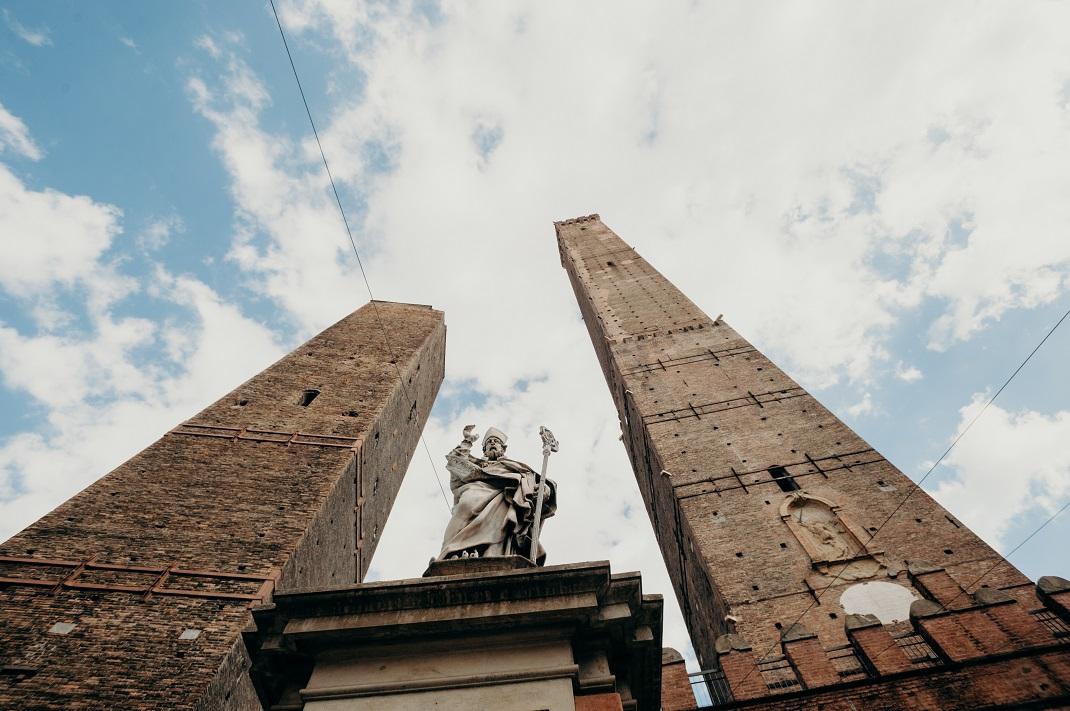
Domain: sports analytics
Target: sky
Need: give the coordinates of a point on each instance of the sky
(874, 194)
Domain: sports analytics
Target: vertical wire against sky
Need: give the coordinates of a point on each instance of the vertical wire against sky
(353, 244)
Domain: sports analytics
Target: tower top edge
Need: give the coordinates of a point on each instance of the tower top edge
(574, 220)
(403, 303)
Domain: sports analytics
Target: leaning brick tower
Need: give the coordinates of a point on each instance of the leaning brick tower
(135, 593)
(765, 507)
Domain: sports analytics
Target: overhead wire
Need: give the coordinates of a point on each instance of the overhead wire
(1003, 559)
(353, 244)
(917, 485)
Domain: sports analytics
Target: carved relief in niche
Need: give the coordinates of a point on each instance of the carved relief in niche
(820, 528)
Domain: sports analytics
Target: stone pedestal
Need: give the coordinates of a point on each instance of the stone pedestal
(472, 634)
(470, 566)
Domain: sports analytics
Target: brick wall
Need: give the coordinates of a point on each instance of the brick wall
(256, 487)
(991, 651)
(705, 416)
(676, 691)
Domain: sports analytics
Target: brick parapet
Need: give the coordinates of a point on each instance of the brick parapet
(981, 650)
(807, 657)
(936, 584)
(875, 646)
(736, 659)
(1033, 678)
(676, 691)
(1054, 593)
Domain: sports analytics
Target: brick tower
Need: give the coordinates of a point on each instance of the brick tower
(763, 503)
(134, 594)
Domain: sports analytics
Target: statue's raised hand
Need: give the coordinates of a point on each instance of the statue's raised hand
(469, 436)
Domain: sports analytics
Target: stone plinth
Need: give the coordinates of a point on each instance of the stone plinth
(469, 566)
(562, 637)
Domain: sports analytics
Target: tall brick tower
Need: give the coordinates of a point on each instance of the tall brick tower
(134, 594)
(763, 503)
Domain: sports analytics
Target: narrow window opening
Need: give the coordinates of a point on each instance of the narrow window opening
(783, 480)
(307, 397)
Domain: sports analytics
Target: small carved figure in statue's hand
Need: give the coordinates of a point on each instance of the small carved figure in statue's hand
(494, 501)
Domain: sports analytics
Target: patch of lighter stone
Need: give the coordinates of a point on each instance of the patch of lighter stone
(888, 602)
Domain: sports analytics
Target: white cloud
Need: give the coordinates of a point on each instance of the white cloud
(49, 237)
(38, 37)
(208, 45)
(14, 135)
(129, 42)
(1008, 464)
(864, 406)
(159, 232)
(907, 373)
(818, 186)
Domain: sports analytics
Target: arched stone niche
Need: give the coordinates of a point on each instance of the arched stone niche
(824, 533)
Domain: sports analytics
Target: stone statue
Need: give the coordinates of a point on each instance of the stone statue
(830, 536)
(493, 501)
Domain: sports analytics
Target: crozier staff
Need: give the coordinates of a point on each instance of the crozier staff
(494, 501)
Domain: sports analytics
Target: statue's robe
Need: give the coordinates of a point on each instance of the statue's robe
(493, 506)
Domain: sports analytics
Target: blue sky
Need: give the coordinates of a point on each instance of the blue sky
(883, 214)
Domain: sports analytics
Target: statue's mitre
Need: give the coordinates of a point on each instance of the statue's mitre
(494, 432)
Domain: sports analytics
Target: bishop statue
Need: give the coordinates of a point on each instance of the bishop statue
(495, 501)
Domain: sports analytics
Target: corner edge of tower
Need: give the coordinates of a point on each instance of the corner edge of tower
(559, 224)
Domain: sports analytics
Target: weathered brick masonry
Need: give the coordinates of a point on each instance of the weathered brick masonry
(988, 651)
(762, 501)
(285, 482)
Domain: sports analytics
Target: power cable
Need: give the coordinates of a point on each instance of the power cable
(1003, 559)
(917, 485)
(353, 244)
